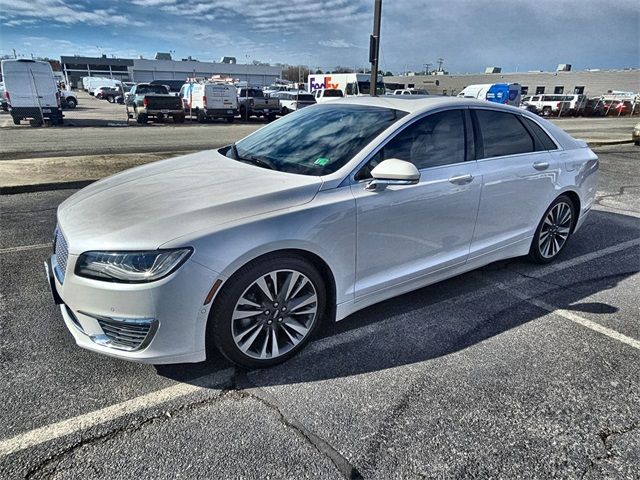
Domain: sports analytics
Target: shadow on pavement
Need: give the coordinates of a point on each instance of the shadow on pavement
(406, 330)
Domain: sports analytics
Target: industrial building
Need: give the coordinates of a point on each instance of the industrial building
(592, 83)
(146, 70)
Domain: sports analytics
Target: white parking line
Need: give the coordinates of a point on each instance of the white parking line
(24, 248)
(97, 417)
(72, 425)
(596, 327)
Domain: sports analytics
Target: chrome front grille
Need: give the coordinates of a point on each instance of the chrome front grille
(127, 334)
(61, 251)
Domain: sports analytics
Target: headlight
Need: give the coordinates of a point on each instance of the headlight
(130, 267)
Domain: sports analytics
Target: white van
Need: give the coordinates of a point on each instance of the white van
(504, 93)
(31, 91)
(210, 100)
(351, 84)
(97, 82)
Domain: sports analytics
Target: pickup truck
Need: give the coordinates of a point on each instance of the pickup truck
(146, 101)
(252, 101)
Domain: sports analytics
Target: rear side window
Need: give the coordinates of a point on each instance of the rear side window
(503, 134)
(544, 140)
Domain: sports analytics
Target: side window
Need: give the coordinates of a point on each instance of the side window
(503, 134)
(435, 140)
(543, 139)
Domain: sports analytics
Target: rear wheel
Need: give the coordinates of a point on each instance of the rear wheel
(553, 231)
(16, 120)
(110, 98)
(546, 111)
(142, 118)
(178, 118)
(268, 311)
(271, 117)
(230, 119)
(201, 116)
(244, 113)
(285, 110)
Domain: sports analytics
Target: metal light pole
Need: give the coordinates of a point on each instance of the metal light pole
(374, 48)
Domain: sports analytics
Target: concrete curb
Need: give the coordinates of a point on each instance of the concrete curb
(45, 187)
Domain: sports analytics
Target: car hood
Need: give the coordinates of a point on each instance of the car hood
(148, 206)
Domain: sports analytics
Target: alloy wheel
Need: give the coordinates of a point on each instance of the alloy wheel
(274, 314)
(555, 230)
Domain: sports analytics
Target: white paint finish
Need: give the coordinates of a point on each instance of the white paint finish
(60, 429)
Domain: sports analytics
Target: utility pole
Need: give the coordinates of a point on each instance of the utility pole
(14, 53)
(374, 48)
(440, 62)
(426, 68)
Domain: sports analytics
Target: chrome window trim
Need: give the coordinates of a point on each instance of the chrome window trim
(350, 179)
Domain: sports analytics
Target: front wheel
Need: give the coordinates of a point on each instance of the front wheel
(268, 311)
(553, 231)
(71, 103)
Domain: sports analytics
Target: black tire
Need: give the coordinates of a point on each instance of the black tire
(220, 327)
(244, 113)
(546, 112)
(202, 118)
(230, 119)
(284, 111)
(271, 117)
(110, 98)
(142, 118)
(36, 122)
(178, 118)
(71, 103)
(16, 120)
(553, 231)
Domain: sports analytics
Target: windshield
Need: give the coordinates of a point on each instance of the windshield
(317, 140)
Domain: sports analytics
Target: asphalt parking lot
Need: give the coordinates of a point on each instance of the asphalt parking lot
(512, 371)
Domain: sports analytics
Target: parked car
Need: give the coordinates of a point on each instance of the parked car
(3, 99)
(617, 107)
(594, 107)
(547, 105)
(68, 99)
(107, 93)
(410, 91)
(173, 86)
(210, 100)
(31, 91)
(249, 248)
(327, 94)
(253, 102)
(292, 101)
(146, 101)
(577, 103)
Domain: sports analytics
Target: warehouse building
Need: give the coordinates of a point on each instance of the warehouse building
(146, 70)
(592, 83)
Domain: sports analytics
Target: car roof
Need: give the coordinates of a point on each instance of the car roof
(419, 103)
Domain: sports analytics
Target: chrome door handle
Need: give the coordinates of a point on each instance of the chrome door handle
(541, 165)
(461, 179)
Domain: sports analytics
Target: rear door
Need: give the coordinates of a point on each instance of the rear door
(518, 180)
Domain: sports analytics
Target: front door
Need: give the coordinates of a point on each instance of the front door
(404, 233)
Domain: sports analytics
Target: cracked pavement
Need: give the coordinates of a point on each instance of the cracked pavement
(465, 378)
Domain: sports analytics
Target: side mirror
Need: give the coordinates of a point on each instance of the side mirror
(393, 172)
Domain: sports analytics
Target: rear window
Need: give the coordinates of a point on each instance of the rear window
(544, 142)
(503, 134)
(306, 98)
(153, 89)
(252, 92)
(333, 93)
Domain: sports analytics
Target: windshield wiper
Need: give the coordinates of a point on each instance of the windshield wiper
(250, 160)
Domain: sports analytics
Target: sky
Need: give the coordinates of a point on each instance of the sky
(469, 35)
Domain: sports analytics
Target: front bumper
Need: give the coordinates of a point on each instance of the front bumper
(158, 322)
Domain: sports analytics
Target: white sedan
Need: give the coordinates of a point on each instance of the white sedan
(326, 211)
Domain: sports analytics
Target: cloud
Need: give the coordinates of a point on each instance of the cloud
(61, 12)
(338, 43)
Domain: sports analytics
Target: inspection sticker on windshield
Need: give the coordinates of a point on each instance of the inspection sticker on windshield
(321, 161)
